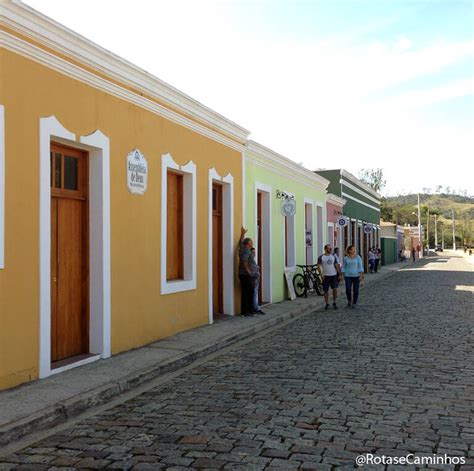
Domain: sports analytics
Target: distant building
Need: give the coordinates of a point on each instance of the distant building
(361, 210)
(334, 211)
(391, 242)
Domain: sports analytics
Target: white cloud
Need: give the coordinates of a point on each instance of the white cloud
(311, 100)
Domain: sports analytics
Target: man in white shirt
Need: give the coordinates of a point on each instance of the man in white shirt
(331, 271)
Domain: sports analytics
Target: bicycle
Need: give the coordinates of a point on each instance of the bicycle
(310, 281)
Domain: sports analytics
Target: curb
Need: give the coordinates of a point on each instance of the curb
(63, 411)
(70, 408)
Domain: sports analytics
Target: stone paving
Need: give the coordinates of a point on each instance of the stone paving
(393, 377)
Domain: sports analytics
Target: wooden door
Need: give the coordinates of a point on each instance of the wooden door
(217, 257)
(259, 244)
(69, 253)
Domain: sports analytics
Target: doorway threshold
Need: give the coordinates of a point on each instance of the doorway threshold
(73, 362)
(221, 317)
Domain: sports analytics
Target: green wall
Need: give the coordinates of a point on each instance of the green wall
(333, 176)
(358, 211)
(267, 176)
(389, 250)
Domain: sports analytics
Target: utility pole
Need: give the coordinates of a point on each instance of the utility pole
(454, 231)
(436, 231)
(442, 237)
(419, 227)
(428, 230)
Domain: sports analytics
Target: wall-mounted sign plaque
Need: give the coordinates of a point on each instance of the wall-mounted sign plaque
(288, 207)
(137, 172)
(342, 221)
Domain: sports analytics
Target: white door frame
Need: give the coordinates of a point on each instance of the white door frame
(227, 183)
(330, 234)
(97, 144)
(310, 202)
(319, 229)
(266, 277)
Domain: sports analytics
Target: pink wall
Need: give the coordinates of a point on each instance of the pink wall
(333, 212)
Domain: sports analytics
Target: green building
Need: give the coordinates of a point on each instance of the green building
(273, 185)
(361, 221)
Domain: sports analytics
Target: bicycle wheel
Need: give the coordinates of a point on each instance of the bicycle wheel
(299, 285)
(318, 285)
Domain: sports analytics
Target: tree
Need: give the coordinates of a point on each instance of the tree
(373, 177)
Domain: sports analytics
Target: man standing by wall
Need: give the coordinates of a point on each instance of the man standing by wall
(331, 272)
(248, 274)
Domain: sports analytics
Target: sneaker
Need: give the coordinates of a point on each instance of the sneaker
(353, 306)
(260, 312)
(349, 304)
(334, 305)
(326, 307)
(250, 314)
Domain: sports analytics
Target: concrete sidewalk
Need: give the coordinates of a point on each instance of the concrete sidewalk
(42, 404)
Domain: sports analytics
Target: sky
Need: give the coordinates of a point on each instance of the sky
(327, 83)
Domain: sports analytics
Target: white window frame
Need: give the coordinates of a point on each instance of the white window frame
(320, 239)
(228, 255)
(2, 187)
(331, 238)
(267, 292)
(189, 225)
(291, 240)
(311, 203)
(97, 144)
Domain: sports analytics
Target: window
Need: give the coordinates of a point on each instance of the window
(174, 235)
(178, 226)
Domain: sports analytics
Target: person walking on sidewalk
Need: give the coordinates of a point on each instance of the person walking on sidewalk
(331, 272)
(248, 273)
(378, 258)
(353, 274)
(371, 257)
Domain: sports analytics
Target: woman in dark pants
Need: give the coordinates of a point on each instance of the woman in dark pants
(353, 270)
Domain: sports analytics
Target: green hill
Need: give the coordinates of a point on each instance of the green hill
(403, 210)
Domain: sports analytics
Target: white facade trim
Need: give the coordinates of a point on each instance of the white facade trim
(227, 243)
(360, 202)
(367, 188)
(310, 202)
(64, 67)
(320, 218)
(335, 200)
(99, 244)
(267, 262)
(291, 239)
(2, 187)
(331, 238)
(99, 229)
(40, 28)
(359, 191)
(267, 158)
(189, 225)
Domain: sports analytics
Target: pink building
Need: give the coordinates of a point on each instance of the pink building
(334, 212)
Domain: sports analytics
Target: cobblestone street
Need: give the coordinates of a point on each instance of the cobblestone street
(395, 376)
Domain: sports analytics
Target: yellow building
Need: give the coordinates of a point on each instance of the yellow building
(120, 202)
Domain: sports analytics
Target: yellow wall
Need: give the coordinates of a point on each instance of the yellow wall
(139, 313)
